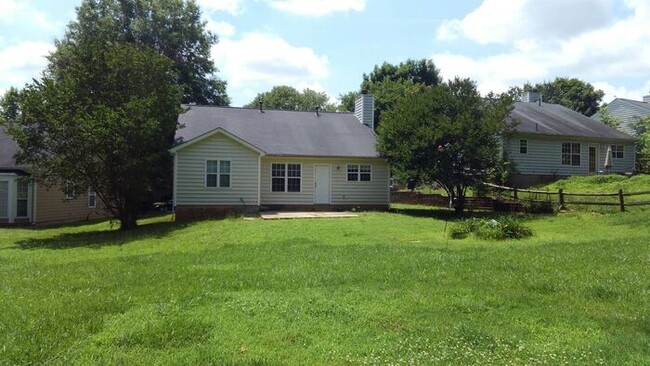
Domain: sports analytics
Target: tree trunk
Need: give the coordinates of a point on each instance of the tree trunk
(129, 219)
(459, 207)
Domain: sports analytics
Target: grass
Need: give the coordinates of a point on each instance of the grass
(602, 184)
(383, 288)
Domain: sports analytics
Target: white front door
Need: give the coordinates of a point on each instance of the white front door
(322, 184)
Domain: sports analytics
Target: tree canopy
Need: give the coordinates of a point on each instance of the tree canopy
(290, 99)
(446, 134)
(572, 93)
(173, 28)
(388, 83)
(104, 125)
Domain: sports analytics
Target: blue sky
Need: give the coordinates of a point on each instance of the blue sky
(327, 45)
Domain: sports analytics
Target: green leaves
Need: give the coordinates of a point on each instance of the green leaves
(446, 134)
(290, 99)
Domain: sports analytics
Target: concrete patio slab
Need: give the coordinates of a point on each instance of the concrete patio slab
(304, 215)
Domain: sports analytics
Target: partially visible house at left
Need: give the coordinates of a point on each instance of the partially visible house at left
(25, 202)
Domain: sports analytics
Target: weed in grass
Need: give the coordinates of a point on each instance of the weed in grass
(506, 227)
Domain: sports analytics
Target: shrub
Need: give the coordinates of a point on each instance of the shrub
(507, 227)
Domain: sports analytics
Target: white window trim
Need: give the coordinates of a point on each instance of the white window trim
(358, 180)
(622, 151)
(93, 194)
(286, 177)
(26, 199)
(525, 141)
(9, 197)
(571, 153)
(205, 173)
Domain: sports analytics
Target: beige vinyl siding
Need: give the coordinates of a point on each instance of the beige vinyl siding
(190, 186)
(342, 192)
(544, 156)
(52, 207)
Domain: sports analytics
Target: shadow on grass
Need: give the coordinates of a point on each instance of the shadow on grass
(98, 239)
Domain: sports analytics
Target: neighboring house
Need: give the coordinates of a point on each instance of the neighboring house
(232, 160)
(24, 202)
(551, 142)
(628, 112)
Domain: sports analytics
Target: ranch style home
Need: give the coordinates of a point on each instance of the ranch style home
(233, 160)
(25, 202)
(552, 142)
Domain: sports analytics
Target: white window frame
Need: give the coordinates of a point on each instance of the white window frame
(358, 172)
(618, 151)
(571, 153)
(523, 146)
(218, 173)
(26, 199)
(8, 197)
(92, 194)
(286, 178)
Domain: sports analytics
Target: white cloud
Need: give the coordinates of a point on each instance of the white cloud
(20, 63)
(612, 91)
(234, 7)
(318, 7)
(222, 29)
(262, 59)
(14, 12)
(593, 50)
(505, 21)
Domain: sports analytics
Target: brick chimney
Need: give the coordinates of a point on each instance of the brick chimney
(364, 109)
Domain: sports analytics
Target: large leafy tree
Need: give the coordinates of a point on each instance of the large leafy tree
(446, 134)
(389, 82)
(570, 92)
(104, 125)
(290, 99)
(173, 28)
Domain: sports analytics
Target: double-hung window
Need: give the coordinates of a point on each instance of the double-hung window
(217, 173)
(286, 177)
(92, 198)
(4, 198)
(571, 153)
(21, 198)
(359, 173)
(523, 146)
(618, 152)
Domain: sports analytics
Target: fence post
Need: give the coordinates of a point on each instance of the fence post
(621, 200)
(560, 194)
(514, 193)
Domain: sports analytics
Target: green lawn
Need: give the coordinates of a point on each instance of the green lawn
(383, 288)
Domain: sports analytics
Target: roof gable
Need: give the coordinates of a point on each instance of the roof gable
(283, 133)
(208, 134)
(556, 120)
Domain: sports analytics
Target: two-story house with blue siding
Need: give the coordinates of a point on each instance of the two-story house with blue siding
(628, 112)
(551, 141)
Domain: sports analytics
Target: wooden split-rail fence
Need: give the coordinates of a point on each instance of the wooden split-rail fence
(565, 199)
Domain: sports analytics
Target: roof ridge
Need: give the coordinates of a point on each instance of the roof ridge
(264, 109)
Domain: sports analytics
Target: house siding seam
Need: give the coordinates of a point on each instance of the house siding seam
(190, 173)
(342, 192)
(53, 208)
(544, 156)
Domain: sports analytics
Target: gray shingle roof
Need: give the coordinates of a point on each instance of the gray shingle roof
(290, 133)
(8, 149)
(556, 120)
